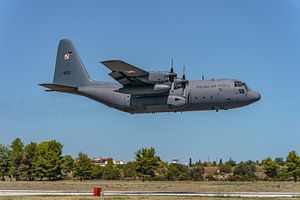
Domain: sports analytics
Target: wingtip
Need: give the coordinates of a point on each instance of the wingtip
(107, 61)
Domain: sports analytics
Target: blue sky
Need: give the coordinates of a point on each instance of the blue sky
(257, 41)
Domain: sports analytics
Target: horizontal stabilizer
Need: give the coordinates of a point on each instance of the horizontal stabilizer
(59, 88)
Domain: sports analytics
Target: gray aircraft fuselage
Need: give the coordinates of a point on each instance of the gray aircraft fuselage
(139, 91)
(219, 94)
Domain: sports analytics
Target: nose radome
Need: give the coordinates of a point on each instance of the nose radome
(253, 96)
(258, 96)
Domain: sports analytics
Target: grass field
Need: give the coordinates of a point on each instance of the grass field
(185, 186)
(136, 198)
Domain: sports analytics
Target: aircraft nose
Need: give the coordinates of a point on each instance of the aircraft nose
(254, 96)
(258, 96)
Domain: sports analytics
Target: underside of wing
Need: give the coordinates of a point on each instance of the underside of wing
(127, 74)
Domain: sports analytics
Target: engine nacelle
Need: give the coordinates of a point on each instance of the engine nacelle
(158, 77)
(176, 101)
(161, 87)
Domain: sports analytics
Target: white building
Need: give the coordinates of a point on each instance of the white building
(103, 161)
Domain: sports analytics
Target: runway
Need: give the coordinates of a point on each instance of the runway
(149, 193)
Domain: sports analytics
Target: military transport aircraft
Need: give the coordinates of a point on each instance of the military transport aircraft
(139, 91)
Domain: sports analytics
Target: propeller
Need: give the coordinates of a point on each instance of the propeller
(172, 74)
(184, 82)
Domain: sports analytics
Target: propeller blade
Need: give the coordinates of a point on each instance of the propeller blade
(183, 73)
(184, 82)
(172, 75)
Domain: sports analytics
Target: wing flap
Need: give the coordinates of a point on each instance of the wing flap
(135, 81)
(127, 74)
(120, 78)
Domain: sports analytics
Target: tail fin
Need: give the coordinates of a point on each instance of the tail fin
(69, 69)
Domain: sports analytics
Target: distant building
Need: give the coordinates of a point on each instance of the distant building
(175, 161)
(103, 161)
(119, 162)
(100, 161)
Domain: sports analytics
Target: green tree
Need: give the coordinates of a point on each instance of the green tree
(270, 167)
(110, 171)
(293, 163)
(196, 173)
(48, 163)
(30, 157)
(177, 172)
(214, 163)
(257, 162)
(199, 163)
(97, 171)
(83, 167)
(221, 162)
(67, 164)
(4, 162)
(17, 156)
(283, 174)
(129, 170)
(280, 161)
(231, 162)
(146, 162)
(161, 172)
(245, 171)
(225, 168)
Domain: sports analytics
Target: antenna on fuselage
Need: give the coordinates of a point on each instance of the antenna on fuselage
(202, 77)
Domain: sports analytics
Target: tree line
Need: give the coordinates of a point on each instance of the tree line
(44, 161)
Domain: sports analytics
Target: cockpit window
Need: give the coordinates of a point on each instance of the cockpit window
(241, 84)
(246, 87)
(237, 83)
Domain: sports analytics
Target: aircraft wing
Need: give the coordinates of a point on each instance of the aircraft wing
(127, 74)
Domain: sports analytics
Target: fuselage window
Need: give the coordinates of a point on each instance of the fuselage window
(241, 91)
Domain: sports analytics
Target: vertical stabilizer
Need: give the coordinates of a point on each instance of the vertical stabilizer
(69, 69)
